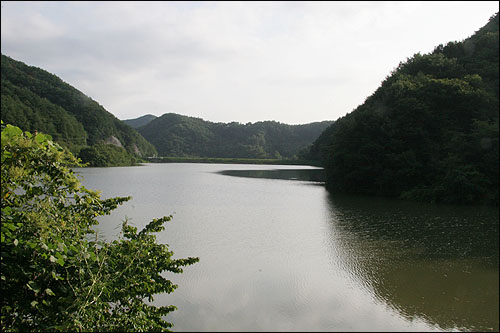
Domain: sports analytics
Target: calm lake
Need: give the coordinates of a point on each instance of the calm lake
(279, 253)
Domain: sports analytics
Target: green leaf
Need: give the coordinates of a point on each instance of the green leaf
(40, 138)
(33, 286)
(12, 130)
(60, 261)
(9, 225)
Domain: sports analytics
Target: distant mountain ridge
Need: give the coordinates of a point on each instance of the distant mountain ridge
(182, 136)
(36, 100)
(140, 121)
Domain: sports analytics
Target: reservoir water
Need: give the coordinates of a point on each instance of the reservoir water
(280, 253)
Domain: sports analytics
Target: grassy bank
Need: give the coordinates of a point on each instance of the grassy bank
(230, 160)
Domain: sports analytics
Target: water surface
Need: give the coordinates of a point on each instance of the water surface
(279, 253)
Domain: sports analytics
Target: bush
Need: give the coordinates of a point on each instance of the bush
(56, 274)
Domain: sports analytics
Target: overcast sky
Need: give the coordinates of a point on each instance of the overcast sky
(293, 62)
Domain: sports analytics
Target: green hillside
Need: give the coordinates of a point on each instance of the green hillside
(429, 132)
(36, 100)
(176, 135)
(140, 121)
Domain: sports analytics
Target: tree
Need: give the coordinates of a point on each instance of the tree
(429, 132)
(56, 274)
(35, 99)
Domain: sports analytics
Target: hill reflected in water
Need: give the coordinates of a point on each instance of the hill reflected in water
(434, 262)
(309, 175)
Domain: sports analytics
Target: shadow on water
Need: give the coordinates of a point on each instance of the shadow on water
(311, 175)
(438, 263)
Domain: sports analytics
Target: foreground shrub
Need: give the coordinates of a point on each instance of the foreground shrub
(56, 275)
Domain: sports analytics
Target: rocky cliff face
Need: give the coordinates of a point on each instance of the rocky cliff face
(112, 140)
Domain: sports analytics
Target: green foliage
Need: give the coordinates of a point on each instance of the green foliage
(181, 136)
(56, 274)
(33, 113)
(36, 100)
(429, 132)
(103, 155)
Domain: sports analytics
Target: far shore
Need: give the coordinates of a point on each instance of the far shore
(230, 160)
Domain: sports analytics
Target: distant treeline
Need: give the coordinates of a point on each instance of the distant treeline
(222, 160)
(181, 136)
(429, 132)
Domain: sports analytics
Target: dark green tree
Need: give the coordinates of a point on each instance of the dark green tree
(429, 132)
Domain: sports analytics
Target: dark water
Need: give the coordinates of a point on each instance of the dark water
(310, 175)
(279, 253)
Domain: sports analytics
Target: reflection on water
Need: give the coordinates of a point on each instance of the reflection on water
(434, 262)
(310, 175)
(287, 256)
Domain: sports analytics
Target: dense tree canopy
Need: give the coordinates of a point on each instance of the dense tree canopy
(56, 274)
(429, 132)
(177, 135)
(36, 100)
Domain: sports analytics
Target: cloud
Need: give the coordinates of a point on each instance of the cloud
(224, 61)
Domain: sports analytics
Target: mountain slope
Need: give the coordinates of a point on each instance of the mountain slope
(34, 99)
(140, 121)
(176, 135)
(429, 132)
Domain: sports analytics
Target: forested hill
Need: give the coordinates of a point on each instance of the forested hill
(429, 132)
(181, 136)
(34, 99)
(141, 121)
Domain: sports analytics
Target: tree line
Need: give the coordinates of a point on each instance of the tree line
(176, 135)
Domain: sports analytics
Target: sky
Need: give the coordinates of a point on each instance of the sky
(292, 62)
